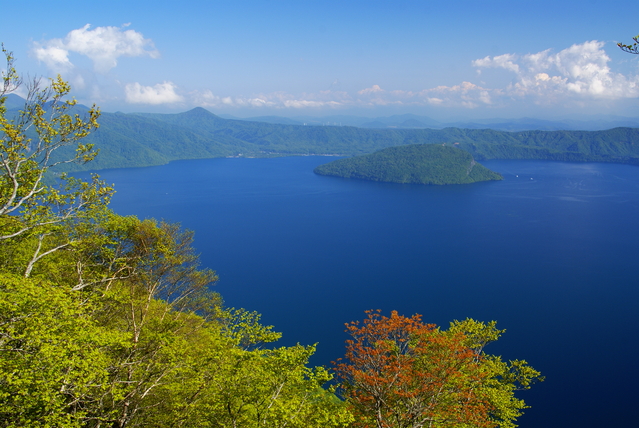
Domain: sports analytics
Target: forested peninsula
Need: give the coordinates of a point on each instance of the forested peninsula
(134, 140)
(414, 164)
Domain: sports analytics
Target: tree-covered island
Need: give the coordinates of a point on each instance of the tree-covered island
(415, 164)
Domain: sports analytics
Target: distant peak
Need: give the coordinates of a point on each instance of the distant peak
(199, 111)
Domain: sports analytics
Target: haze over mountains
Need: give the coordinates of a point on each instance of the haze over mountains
(145, 139)
(412, 121)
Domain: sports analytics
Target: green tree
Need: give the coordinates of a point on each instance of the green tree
(30, 142)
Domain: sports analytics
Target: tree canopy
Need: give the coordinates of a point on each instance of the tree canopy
(415, 163)
(400, 372)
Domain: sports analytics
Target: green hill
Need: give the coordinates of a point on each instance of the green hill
(417, 163)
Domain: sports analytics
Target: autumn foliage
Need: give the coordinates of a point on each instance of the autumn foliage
(399, 372)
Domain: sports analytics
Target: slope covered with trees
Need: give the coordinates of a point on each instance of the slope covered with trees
(417, 164)
(129, 140)
(109, 321)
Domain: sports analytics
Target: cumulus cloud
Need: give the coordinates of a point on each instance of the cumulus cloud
(54, 55)
(502, 61)
(103, 45)
(466, 94)
(372, 90)
(581, 71)
(162, 93)
(577, 75)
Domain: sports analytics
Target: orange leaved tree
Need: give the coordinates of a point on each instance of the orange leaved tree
(399, 372)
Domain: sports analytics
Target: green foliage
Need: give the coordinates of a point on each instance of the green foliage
(32, 212)
(54, 363)
(417, 163)
(633, 48)
(501, 379)
(243, 328)
(261, 388)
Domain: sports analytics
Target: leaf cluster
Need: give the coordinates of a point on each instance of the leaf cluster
(633, 48)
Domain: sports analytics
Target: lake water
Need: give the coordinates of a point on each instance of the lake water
(551, 253)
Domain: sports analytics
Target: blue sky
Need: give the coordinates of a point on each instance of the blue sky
(447, 60)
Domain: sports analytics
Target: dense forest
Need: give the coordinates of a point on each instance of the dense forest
(417, 164)
(109, 321)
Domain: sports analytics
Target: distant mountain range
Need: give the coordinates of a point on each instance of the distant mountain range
(144, 139)
(411, 121)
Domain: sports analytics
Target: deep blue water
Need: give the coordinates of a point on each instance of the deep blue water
(551, 253)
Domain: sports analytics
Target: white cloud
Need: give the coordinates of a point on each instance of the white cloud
(373, 89)
(575, 76)
(580, 71)
(466, 95)
(256, 102)
(503, 61)
(54, 55)
(162, 93)
(103, 45)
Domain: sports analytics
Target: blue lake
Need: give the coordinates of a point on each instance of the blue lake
(551, 253)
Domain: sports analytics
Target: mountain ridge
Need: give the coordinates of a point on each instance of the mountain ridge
(145, 139)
